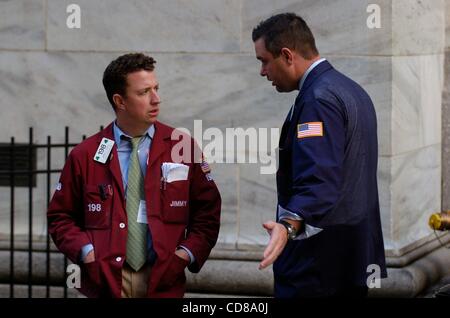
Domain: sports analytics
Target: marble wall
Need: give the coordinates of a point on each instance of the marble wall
(50, 77)
(417, 82)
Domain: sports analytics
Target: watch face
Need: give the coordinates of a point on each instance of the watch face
(290, 230)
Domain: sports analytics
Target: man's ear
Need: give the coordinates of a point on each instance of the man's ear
(118, 101)
(287, 55)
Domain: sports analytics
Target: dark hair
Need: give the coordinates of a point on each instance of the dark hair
(115, 75)
(286, 30)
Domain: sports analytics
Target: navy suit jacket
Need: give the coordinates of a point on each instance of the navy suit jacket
(331, 182)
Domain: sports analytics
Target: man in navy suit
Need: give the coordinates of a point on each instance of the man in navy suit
(327, 239)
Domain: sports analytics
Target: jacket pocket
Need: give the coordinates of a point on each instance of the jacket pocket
(97, 209)
(92, 271)
(174, 274)
(175, 202)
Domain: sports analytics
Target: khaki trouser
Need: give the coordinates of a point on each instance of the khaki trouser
(135, 284)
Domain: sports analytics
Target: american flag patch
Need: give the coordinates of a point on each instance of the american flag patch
(205, 166)
(313, 129)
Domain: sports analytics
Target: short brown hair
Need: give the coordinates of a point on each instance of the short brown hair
(115, 75)
(286, 30)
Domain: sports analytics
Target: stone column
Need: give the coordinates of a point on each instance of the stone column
(446, 117)
(410, 165)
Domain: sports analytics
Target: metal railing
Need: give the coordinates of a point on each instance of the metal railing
(31, 172)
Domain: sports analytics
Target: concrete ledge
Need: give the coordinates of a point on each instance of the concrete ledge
(231, 277)
(21, 291)
(415, 278)
(39, 268)
(407, 254)
(221, 276)
(394, 258)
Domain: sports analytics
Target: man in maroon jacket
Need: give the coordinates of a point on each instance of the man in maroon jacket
(129, 213)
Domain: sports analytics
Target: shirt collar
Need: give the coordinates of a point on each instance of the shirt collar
(118, 133)
(302, 81)
(312, 66)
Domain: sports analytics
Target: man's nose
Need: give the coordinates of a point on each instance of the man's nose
(262, 72)
(155, 98)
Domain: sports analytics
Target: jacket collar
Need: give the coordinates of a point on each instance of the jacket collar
(160, 142)
(118, 133)
(315, 73)
(162, 134)
(288, 128)
(113, 163)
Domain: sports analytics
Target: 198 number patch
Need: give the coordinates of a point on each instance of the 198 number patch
(94, 207)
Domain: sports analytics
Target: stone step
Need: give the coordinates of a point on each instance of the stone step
(39, 291)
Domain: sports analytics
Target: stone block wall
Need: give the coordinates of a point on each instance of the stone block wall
(50, 77)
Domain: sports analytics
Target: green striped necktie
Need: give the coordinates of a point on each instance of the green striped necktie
(137, 232)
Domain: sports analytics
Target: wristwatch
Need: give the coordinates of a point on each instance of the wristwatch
(291, 232)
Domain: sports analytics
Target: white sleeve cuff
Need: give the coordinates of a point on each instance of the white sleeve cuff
(309, 229)
(191, 256)
(85, 251)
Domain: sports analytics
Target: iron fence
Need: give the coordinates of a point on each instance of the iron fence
(20, 173)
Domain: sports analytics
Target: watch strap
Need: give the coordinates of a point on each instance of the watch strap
(291, 232)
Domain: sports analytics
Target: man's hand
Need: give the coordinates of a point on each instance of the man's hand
(278, 240)
(183, 254)
(90, 257)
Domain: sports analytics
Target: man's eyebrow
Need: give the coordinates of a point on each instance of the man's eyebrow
(146, 88)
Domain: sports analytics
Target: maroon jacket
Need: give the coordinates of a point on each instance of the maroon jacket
(72, 225)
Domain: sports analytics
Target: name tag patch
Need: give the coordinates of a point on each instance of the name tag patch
(178, 204)
(103, 150)
(94, 207)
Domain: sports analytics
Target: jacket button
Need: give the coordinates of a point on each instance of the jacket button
(122, 225)
(118, 259)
